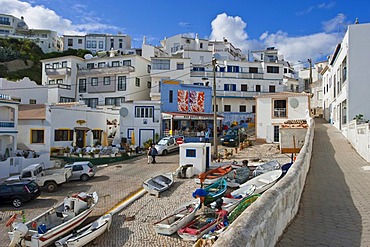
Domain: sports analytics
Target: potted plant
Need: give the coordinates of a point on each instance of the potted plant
(66, 151)
(81, 153)
(96, 153)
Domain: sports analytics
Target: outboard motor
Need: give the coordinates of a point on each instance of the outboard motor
(19, 231)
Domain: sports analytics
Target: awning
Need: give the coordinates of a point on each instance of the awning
(82, 128)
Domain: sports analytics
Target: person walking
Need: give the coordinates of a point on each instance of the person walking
(153, 153)
(206, 135)
(149, 155)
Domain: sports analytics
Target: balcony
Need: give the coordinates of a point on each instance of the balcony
(109, 70)
(7, 23)
(280, 112)
(177, 48)
(236, 94)
(7, 124)
(240, 75)
(57, 71)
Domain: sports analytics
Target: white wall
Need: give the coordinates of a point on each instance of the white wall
(25, 90)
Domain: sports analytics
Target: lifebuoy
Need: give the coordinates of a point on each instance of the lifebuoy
(11, 220)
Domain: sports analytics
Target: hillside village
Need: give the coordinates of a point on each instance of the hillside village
(97, 88)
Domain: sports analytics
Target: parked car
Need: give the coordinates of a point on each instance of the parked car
(233, 137)
(18, 192)
(168, 144)
(82, 170)
(48, 178)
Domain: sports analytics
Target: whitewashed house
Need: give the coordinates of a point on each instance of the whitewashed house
(345, 87)
(8, 126)
(274, 109)
(25, 91)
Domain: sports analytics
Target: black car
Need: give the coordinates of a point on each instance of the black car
(18, 192)
(233, 137)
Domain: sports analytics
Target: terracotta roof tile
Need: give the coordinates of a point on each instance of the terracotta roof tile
(32, 112)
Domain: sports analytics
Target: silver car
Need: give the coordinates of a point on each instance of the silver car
(82, 170)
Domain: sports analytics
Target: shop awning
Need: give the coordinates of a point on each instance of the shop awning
(82, 128)
(192, 116)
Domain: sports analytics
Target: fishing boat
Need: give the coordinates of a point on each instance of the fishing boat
(229, 202)
(179, 218)
(56, 222)
(159, 183)
(246, 202)
(264, 181)
(200, 225)
(265, 167)
(237, 176)
(215, 191)
(86, 234)
(214, 175)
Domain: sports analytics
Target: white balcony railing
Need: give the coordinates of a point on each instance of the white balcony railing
(106, 70)
(57, 71)
(239, 75)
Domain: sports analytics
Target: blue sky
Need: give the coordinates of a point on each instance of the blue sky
(299, 29)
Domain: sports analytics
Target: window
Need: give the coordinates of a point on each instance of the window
(234, 69)
(230, 87)
(121, 83)
(344, 70)
(101, 45)
(244, 87)
(213, 108)
(137, 82)
(306, 84)
(90, 65)
(120, 45)
(180, 66)
(37, 136)
(271, 88)
(70, 42)
(280, 108)
(64, 64)
(107, 80)
(144, 112)
(258, 88)
(126, 62)
(114, 101)
(253, 109)
(88, 44)
(273, 69)
(32, 101)
(161, 64)
(66, 99)
(59, 81)
(170, 96)
(191, 153)
(82, 86)
(115, 63)
(51, 82)
(242, 108)
(79, 41)
(101, 65)
(149, 84)
(94, 81)
(77, 168)
(227, 108)
(276, 133)
(5, 20)
(55, 65)
(149, 68)
(201, 45)
(97, 134)
(199, 69)
(253, 70)
(92, 102)
(63, 135)
(93, 44)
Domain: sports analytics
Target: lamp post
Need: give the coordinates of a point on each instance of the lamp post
(215, 151)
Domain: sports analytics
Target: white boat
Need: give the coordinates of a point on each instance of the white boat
(86, 234)
(179, 218)
(229, 203)
(159, 183)
(56, 222)
(264, 181)
(265, 167)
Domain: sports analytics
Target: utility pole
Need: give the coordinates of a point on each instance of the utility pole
(215, 148)
(310, 62)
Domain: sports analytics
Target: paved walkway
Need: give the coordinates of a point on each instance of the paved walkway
(335, 205)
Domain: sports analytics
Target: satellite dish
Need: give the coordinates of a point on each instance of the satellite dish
(294, 103)
(123, 112)
(88, 56)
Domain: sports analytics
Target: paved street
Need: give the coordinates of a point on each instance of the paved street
(335, 205)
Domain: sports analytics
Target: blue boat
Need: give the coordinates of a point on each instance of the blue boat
(215, 191)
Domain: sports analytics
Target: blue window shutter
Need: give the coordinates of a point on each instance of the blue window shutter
(234, 87)
(226, 87)
(237, 69)
(229, 68)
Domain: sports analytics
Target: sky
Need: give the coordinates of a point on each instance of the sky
(300, 30)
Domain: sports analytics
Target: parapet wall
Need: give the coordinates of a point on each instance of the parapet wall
(264, 221)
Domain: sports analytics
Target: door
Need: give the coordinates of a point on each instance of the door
(80, 138)
(77, 171)
(145, 135)
(208, 155)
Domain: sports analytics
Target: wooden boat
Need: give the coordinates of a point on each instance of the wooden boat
(215, 191)
(246, 202)
(200, 225)
(265, 167)
(229, 203)
(159, 183)
(179, 218)
(264, 181)
(237, 176)
(214, 175)
(56, 222)
(86, 234)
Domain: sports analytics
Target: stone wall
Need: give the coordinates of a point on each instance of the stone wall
(265, 220)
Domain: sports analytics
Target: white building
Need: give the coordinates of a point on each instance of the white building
(273, 109)
(8, 126)
(106, 80)
(99, 42)
(345, 79)
(13, 27)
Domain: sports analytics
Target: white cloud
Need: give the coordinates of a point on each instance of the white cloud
(40, 17)
(294, 49)
(335, 24)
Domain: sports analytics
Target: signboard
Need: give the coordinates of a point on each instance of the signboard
(183, 100)
(196, 101)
